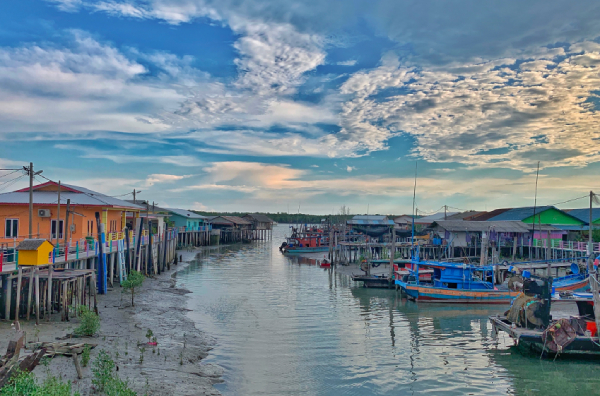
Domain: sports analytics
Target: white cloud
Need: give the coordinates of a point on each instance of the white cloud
(273, 182)
(535, 112)
(85, 87)
(351, 62)
(350, 168)
(200, 206)
(162, 178)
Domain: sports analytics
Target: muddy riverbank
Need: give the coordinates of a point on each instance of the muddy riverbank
(174, 367)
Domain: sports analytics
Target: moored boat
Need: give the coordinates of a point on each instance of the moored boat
(454, 283)
(529, 323)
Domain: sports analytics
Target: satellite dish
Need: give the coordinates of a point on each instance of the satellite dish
(574, 268)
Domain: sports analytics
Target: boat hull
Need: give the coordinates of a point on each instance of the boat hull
(580, 285)
(580, 346)
(456, 296)
(305, 250)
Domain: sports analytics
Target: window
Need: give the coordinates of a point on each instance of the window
(12, 228)
(60, 229)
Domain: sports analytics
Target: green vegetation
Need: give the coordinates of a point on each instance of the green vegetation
(25, 384)
(133, 281)
(105, 378)
(341, 216)
(149, 335)
(85, 355)
(90, 322)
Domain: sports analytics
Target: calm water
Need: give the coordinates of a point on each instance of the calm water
(288, 329)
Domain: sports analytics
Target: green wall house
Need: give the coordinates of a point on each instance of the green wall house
(543, 215)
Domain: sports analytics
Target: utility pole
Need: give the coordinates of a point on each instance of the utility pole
(58, 217)
(31, 173)
(591, 270)
(445, 212)
(67, 227)
(30, 200)
(134, 196)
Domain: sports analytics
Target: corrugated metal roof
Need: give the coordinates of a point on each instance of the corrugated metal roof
(573, 227)
(433, 217)
(584, 214)
(87, 197)
(370, 222)
(498, 226)
(369, 217)
(484, 216)
(185, 213)
(31, 244)
(229, 220)
(463, 215)
(261, 218)
(520, 213)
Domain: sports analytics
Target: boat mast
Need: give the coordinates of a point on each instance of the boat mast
(414, 253)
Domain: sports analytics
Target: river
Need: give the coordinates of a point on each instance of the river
(284, 328)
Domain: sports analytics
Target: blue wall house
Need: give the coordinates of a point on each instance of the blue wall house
(184, 218)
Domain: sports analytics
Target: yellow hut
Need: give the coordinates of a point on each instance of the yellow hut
(34, 252)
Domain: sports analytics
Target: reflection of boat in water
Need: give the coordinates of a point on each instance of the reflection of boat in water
(454, 283)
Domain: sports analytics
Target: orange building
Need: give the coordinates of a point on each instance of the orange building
(84, 204)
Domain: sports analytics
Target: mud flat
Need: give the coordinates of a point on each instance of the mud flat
(173, 367)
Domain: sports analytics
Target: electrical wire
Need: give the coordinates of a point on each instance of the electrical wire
(8, 174)
(10, 182)
(570, 200)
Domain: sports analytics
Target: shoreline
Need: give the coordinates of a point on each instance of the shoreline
(161, 306)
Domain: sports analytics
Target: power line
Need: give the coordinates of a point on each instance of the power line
(574, 199)
(8, 174)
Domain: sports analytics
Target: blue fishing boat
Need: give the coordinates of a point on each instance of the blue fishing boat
(577, 281)
(454, 283)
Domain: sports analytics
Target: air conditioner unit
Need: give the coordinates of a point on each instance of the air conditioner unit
(44, 213)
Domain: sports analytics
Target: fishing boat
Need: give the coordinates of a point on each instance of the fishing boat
(306, 240)
(577, 281)
(530, 324)
(454, 283)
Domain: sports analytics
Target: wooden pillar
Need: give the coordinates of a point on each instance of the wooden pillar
(7, 296)
(49, 295)
(37, 298)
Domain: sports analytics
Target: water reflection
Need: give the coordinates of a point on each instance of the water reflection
(286, 327)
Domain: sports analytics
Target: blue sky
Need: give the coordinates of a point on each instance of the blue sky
(268, 105)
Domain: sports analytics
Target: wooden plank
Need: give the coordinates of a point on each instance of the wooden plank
(14, 347)
(37, 298)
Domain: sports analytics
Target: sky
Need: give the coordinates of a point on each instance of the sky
(286, 106)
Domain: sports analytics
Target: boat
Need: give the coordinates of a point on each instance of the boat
(531, 326)
(454, 283)
(306, 240)
(578, 280)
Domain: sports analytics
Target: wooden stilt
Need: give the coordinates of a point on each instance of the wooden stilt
(19, 279)
(37, 297)
(49, 299)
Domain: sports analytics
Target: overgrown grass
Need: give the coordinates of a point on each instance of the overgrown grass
(25, 384)
(89, 322)
(105, 378)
